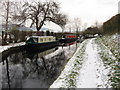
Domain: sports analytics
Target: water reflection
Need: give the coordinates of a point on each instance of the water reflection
(32, 70)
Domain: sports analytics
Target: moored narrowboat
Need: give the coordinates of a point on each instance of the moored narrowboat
(68, 40)
(40, 43)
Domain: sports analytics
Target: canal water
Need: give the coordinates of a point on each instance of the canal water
(35, 70)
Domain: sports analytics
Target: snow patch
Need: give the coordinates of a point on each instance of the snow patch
(84, 70)
(67, 50)
(6, 47)
(93, 73)
(70, 70)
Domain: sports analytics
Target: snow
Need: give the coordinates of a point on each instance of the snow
(61, 81)
(33, 81)
(68, 51)
(85, 69)
(110, 61)
(6, 47)
(90, 71)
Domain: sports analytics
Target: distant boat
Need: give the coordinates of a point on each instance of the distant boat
(68, 40)
(40, 43)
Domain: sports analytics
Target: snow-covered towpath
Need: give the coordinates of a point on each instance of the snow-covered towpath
(88, 73)
(93, 73)
(85, 69)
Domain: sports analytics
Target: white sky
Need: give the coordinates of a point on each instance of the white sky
(89, 11)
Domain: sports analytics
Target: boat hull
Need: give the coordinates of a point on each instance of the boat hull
(67, 40)
(38, 47)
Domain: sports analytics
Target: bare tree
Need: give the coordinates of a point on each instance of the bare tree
(40, 12)
(18, 14)
(96, 24)
(84, 26)
(70, 28)
(60, 19)
(6, 15)
(77, 24)
(8, 11)
(69, 25)
(15, 32)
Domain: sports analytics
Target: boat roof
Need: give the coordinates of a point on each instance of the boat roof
(40, 36)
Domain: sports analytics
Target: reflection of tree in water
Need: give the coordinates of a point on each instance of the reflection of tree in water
(21, 67)
(7, 73)
(10, 71)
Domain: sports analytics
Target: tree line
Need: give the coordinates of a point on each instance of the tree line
(16, 35)
(36, 13)
(109, 27)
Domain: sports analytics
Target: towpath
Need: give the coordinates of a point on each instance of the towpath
(85, 69)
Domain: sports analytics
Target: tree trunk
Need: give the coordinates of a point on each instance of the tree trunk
(7, 16)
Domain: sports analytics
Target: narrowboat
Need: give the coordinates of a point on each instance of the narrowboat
(68, 40)
(40, 43)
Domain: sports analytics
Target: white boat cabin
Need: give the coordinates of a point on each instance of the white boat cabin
(41, 39)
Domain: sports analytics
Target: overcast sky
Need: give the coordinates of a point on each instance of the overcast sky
(89, 11)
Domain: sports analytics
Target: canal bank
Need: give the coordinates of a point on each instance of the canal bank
(34, 70)
(85, 66)
(19, 47)
(9, 49)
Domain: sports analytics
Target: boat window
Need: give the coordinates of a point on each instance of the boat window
(49, 39)
(41, 39)
(45, 39)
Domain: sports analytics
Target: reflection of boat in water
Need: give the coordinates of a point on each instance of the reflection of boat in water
(46, 52)
(40, 43)
(40, 54)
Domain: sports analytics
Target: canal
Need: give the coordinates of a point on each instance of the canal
(35, 70)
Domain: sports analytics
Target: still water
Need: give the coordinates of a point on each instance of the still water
(34, 70)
